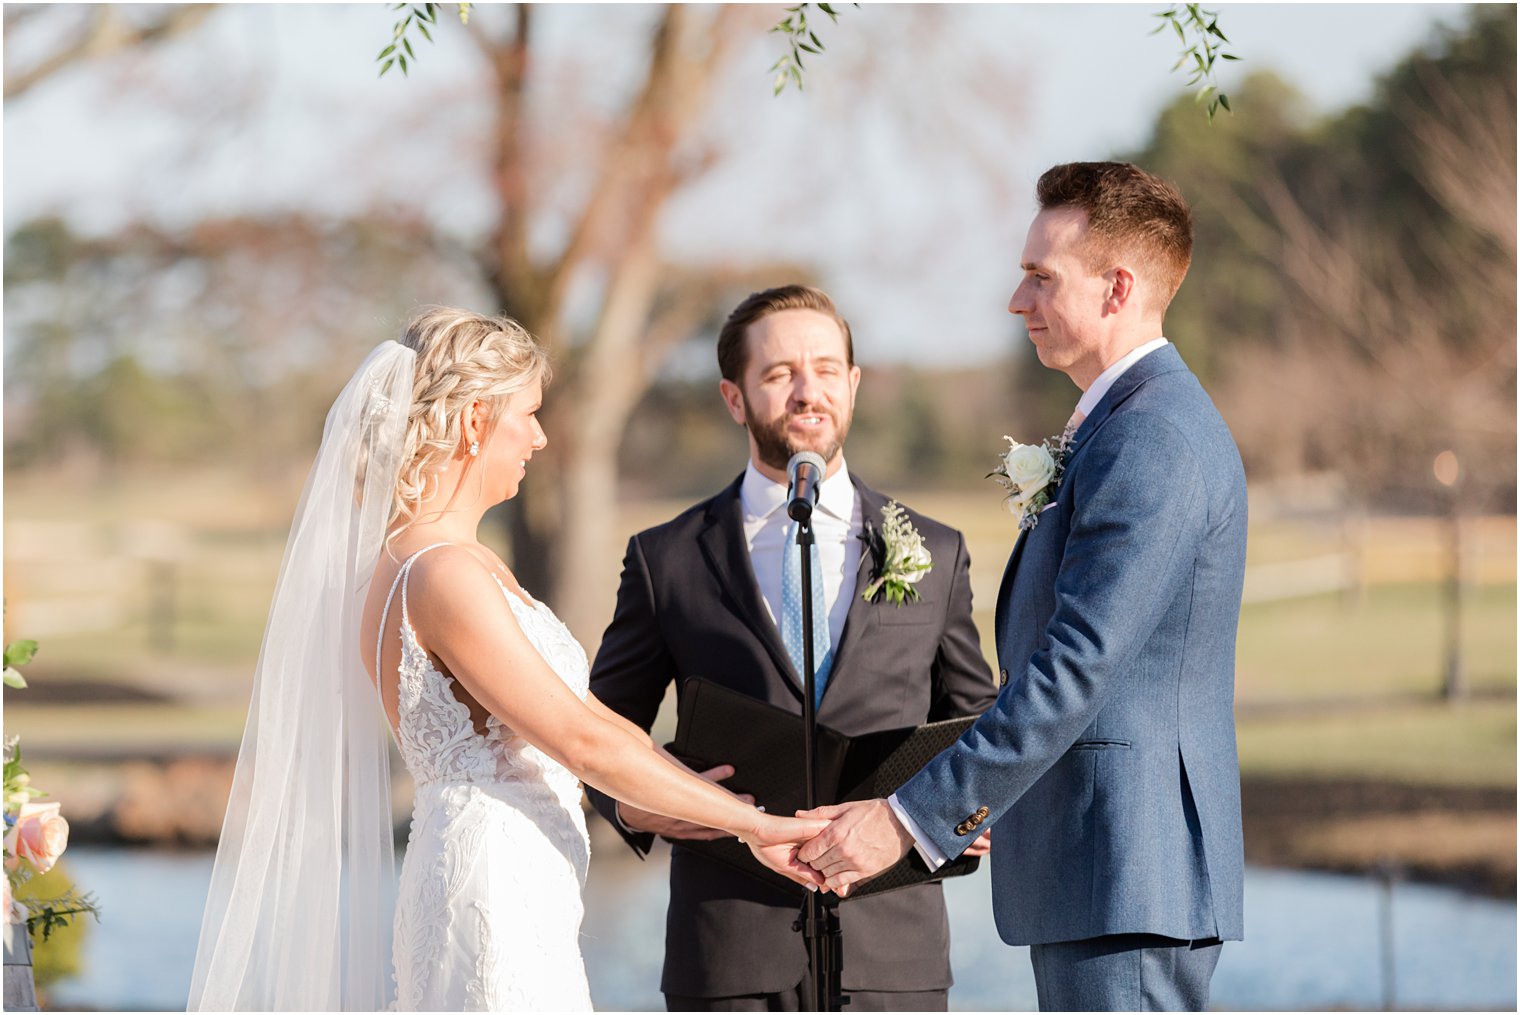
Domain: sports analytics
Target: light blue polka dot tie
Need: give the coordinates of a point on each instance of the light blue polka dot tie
(791, 613)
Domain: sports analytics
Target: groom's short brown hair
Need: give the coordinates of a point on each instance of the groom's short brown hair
(1129, 213)
(733, 351)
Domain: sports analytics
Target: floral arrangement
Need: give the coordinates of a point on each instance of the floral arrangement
(1030, 474)
(36, 833)
(903, 559)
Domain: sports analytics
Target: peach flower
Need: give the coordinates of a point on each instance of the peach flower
(39, 836)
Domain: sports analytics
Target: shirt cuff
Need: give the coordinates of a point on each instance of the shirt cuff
(617, 819)
(921, 842)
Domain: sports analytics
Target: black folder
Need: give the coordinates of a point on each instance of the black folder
(717, 725)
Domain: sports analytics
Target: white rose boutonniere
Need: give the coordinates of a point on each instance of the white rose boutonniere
(1030, 473)
(902, 558)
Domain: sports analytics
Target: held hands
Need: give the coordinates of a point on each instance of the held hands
(830, 848)
(775, 842)
(836, 847)
(863, 839)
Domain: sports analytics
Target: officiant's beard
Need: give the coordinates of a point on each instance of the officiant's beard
(776, 448)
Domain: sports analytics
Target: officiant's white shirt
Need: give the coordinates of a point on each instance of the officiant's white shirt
(1085, 405)
(836, 524)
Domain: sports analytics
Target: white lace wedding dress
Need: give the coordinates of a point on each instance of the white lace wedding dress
(489, 911)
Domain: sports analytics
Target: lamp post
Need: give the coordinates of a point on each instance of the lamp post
(1448, 471)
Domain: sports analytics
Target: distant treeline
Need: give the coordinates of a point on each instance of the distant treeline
(1351, 304)
(1351, 307)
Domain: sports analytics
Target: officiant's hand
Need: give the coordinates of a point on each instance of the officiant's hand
(982, 846)
(675, 828)
(863, 839)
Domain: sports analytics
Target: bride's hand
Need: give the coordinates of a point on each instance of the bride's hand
(775, 841)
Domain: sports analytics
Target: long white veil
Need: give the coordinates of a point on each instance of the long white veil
(298, 916)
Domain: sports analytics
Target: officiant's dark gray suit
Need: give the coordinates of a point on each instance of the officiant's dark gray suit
(689, 605)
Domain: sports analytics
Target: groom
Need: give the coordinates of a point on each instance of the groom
(706, 594)
(1108, 763)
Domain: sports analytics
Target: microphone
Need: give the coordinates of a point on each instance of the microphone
(804, 472)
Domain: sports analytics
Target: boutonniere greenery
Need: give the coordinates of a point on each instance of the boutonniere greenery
(1030, 474)
(902, 559)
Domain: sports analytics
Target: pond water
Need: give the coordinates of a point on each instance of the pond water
(1314, 939)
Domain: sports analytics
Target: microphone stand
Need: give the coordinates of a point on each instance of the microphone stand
(820, 918)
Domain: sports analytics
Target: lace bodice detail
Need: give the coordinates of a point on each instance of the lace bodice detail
(437, 738)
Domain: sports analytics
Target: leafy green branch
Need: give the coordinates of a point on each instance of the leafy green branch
(18, 653)
(18, 782)
(47, 916)
(1203, 44)
(418, 16)
(1201, 53)
(800, 39)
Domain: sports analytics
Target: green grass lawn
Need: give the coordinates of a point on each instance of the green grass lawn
(54, 729)
(1389, 645)
(1437, 744)
(1392, 642)
(1385, 648)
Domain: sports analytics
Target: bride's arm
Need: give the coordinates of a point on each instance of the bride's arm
(460, 616)
(637, 732)
(661, 824)
(632, 729)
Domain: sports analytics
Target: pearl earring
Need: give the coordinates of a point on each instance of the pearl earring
(474, 448)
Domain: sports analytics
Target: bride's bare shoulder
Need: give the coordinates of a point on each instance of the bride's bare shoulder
(449, 582)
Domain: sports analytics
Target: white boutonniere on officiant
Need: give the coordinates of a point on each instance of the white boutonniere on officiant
(902, 559)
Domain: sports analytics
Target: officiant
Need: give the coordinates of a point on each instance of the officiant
(713, 593)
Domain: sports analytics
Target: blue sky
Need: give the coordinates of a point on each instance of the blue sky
(904, 173)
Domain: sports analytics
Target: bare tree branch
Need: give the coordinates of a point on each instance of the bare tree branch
(104, 33)
(1388, 360)
(1466, 161)
(622, 160)
(519, 281)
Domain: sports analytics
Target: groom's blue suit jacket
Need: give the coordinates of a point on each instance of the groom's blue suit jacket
(1108, 762)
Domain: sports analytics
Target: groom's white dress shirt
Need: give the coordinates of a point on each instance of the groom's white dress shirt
(1095, 392)
(836, 524)
(1085, 405)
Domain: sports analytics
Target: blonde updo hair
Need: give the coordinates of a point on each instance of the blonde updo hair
(462, 358)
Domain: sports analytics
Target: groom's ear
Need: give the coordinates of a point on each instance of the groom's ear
(1121, 289)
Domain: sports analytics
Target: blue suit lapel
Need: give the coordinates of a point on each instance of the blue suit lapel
(1164, 360)
(1005, 590)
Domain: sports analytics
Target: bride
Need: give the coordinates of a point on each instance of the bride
(387, 602)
